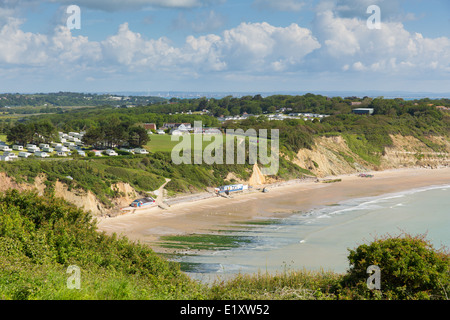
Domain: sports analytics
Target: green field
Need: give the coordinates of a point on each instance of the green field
(163, 143)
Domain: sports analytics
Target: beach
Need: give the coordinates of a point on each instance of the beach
(207, 215)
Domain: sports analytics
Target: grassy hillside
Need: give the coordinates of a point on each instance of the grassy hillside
(40, 237)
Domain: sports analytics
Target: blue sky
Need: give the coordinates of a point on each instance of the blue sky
(224, 45)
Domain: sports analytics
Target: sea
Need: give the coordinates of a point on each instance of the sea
(320, 239)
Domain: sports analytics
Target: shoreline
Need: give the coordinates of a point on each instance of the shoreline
(204, 215)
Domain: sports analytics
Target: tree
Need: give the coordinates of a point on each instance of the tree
(20, 133)
(137, 137)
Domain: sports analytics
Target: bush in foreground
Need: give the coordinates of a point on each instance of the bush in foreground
(41, 236)
(410, 268)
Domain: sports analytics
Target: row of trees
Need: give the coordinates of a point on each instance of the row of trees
(112, 132)
(34, 132)
(108, 133)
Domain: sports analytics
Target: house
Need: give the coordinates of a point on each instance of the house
(110, 153)
(149, 126)
(17, 147)
(24, 154)
(363, 111)
(177, 126)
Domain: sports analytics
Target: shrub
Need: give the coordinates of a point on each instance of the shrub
(410, 269)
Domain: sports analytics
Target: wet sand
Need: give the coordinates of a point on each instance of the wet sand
(147, 225)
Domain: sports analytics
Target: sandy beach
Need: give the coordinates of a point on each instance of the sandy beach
(147, 225)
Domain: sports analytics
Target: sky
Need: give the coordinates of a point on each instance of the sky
(225, 46)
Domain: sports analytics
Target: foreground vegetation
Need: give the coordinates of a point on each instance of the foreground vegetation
(41, 237)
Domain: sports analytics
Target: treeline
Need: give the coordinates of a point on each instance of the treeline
(84, 119)
(309, 102)
(34, 132)
(112, 132)
(64, 99)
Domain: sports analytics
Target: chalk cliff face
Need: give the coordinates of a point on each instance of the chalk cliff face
(332, 156)
(329, 156)
(82, 199)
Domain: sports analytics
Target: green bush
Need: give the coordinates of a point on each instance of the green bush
(410, 268)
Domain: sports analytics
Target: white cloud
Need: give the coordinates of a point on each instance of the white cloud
(392, 49)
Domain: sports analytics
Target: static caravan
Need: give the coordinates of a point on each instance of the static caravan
(110, 152)
(61, 154)
(43, 145)
(140, 151)
(33, 149)
(5, 158)
(81, 153)
(17, 147)
(127, 150)
(24, 154)
(42, 154)
(11, 155)
(61, 149)
(5, 148)
(47, 149)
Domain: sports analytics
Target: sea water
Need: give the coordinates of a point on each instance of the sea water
(321, 238)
